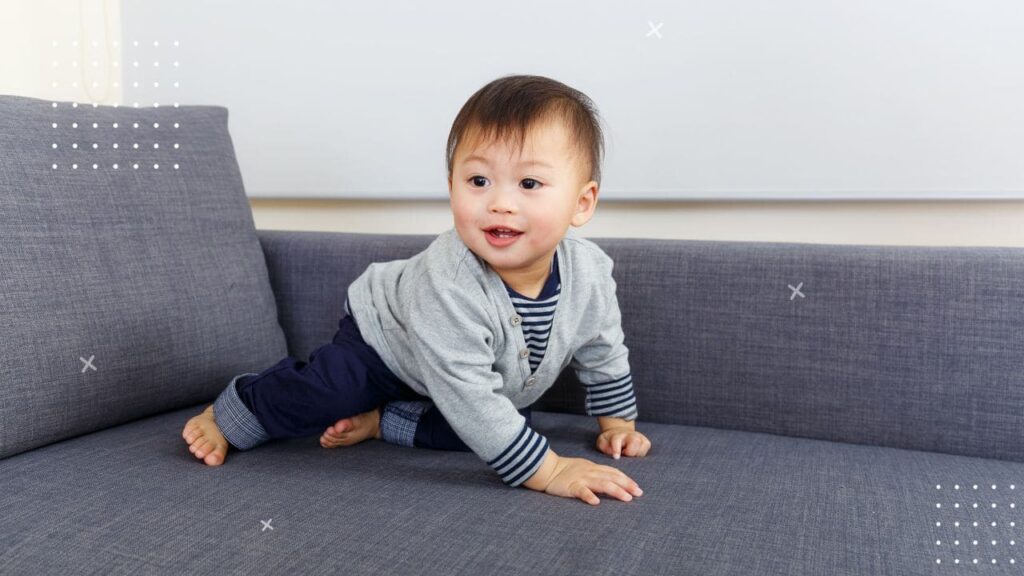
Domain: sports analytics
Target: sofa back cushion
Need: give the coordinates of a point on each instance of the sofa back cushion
(123, 292)
(901, 346)
(916, 347)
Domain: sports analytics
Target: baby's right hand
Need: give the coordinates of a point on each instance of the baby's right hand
(580, 478)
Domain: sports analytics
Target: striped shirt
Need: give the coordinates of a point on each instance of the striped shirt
(537, 314)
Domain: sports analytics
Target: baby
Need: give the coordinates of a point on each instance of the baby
(449, 349)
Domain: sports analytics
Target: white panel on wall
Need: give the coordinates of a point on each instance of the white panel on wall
(735, 99)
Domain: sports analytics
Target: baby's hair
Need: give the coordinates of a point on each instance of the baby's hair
(508, 106)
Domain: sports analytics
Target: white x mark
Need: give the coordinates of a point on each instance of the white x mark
(796, 291)
(266, 524)
(654, 29)
(88, 363)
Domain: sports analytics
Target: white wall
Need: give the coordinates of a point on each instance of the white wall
(725, 99)
(27, 28)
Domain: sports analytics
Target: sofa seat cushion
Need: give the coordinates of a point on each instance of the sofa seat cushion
(132, 499)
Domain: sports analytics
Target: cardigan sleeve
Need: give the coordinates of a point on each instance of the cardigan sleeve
(452, 350)
(602, 364)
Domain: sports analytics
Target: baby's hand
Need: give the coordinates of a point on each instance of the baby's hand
(580, 478)
(615, 441)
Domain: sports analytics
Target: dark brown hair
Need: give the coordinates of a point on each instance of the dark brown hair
(507, 107)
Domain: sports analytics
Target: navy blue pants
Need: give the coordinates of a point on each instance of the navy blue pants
(344, 378)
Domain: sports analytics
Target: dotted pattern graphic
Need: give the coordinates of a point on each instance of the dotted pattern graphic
(110, 146)
(978, 524)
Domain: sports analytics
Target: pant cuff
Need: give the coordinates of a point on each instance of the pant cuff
(399, 419)
(236, 422)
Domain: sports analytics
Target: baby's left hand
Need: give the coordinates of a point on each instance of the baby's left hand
(615, 441)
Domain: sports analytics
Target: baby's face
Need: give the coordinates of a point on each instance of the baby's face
(540, 192)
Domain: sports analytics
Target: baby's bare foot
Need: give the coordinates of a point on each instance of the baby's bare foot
(204, 438)
(352, 430)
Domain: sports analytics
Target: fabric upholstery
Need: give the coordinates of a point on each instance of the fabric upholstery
(901, 346)
(132, 500)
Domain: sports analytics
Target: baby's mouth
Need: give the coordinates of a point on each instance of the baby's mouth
(499, 233)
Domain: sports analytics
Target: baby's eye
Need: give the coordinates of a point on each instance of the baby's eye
(474, 180)
(531, 180)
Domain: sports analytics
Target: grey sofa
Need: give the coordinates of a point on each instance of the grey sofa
(813, 409)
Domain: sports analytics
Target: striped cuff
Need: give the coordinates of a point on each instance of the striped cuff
(522, 458)
(612, 398)
(399, 419)
(238, 425)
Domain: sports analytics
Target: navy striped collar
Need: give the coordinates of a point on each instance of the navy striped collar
(551, 286)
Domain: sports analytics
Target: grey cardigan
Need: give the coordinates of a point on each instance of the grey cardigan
(443, 322)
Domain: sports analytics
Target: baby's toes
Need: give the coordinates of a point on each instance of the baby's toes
(216, 455)
(346, 440)
(189, 432)
(193, 435)
(340, 427)
(198, 446)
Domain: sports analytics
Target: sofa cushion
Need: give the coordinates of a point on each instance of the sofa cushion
(127, 292)
(133, 500)
(903, 346)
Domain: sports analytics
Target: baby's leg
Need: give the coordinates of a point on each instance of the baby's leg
(397, 427)
(292, 398)
(416, 423)
(433, 431)
(402, 424)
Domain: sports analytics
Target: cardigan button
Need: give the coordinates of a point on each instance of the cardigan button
(524, 352)
(516, 319)
(530, 381)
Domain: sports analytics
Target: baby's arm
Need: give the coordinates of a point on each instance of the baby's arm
(401, 418)
(609, 422)
(457, 366)
(602, 366)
